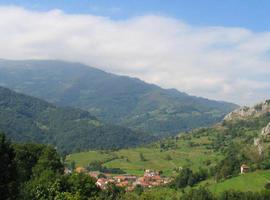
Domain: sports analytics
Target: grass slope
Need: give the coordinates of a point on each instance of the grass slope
(192, 149)
(253, 181)
(175, 154)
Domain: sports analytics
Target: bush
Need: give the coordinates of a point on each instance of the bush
(198, 194)
(267, 186)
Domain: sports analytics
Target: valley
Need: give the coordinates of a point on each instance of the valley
(134, 100)
(219, 151)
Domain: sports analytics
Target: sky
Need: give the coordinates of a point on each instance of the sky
(214, 49)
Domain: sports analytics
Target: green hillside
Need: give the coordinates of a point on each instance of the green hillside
(218, 151)
(254, 181)
(114, 99)
(27, 119)
(166, 155)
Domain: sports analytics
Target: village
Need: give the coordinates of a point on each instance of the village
(151, 178)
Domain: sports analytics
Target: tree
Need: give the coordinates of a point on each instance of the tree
(138, 189)
(47, 185)
(8, 171)
(168, 157)
(82, 184)
(183, 179)
(112, 192)
(198, 194)
(49, 160)
(267, 186)
(142, 158)
(73, 165)
(27, 156)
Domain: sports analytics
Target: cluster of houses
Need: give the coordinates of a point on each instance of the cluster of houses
(150, 179)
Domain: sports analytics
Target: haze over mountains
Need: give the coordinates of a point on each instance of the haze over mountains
(114, 99)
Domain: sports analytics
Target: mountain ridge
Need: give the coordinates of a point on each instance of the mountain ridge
(29, 119)
(114, 99)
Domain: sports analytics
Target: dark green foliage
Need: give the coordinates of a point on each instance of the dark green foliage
(28, 119)
(97, 166)
(17, 164)
(47, 185)
(72, 165)
(82, 184)
(184, 178)
(114, 99)
(198, 194)
(237, 195)
(112, 192)
(230, 165)
(187, 177)
(32, 171)
(168, 157)
(8, 172)
(142, 158)
(139, 189)
(267, 186)
(48, 160)
(50, 185)
(27, 156)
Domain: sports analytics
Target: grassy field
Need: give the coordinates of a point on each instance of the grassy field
(166, 157)
(253, 181)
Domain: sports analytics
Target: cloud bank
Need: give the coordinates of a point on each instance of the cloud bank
(222, 63)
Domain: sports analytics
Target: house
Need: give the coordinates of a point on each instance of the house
(244, 169)
(123, 184)
(80, 170)
(120, 178)
(101, 183)
(67, 171)
(94, 174)
(131, 178)
(150, 173)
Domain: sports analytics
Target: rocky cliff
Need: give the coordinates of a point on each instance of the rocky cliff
(245, 112)
(266, 131)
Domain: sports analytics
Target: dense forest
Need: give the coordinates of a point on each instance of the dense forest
(120, 100)
(24, 118)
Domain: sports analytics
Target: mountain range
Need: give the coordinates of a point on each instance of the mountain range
(114, 99)
(28, 119)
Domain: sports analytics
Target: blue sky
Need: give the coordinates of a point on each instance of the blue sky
(251, 14)
(211, 48)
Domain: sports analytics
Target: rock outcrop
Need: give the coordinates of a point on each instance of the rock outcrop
(244, 112)
(266, 131)
(259, 144)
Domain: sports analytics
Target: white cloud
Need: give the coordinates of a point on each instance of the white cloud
(222, 63)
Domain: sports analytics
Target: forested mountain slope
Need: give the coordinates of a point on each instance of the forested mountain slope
(27, 119)
(112, 98)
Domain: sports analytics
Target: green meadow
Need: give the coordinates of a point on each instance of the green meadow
(252, 181)
(166, 156)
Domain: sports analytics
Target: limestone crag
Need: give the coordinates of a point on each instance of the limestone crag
(244, 112)
(266, 131)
